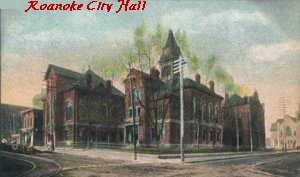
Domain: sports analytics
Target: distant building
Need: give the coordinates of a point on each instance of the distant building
(10, 120)
(285, 130)
(158, 97)
(31, 131)
(81, 108)
(237, 113)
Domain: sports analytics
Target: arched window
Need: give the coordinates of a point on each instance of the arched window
(136, 95)
(210, 112)
(217, 114)
(69, 110)
(288, 131)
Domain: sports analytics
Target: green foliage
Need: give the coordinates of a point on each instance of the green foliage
(103, 65)
(37, 100)
(182, 41)
(209, 65)
(158, 38)
(193, 61)
(139, 37)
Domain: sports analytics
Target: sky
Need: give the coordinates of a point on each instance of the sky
(258, 42)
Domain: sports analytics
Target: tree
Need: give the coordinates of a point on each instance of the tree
(37, 100)
(148, 48)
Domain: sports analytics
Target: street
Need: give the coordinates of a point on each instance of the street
(92, 163)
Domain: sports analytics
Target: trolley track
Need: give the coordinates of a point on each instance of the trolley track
(41, 167)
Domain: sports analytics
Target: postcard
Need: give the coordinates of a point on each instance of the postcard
(150, 88)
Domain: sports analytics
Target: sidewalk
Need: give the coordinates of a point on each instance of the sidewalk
(166, 158)
(223, 156)
(114, 155)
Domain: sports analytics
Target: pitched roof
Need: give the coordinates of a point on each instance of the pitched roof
(81, 80)
(279, 120)
(171, 42)
(292, 118)
(62, 71)
(171, 88)
(235, 100)
(274, 127)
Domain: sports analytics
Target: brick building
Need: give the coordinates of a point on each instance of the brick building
(236, 114)
(31, 130)
(84, 108)
(10, 120)
(158, 99)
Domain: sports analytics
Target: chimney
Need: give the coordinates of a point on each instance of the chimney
(226, 100)
(212, 85)
(154, 73)
(108, 86)
(198, 79)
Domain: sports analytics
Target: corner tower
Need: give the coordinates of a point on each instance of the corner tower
(171, 52)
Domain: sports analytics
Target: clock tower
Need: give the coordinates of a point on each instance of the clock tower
(171, 52)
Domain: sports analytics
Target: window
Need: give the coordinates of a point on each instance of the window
(166, 70)
(211, 135)
(218, 136)
(94, 113)
(217, 114)
(163, 133)
(105, 113)
(81, 109)
(210, 112)
(204, 115)
(68, 110)
(204, 135)
(130, 112)
(136, 95)
(80, 133)
(137, 112)
(194, 107)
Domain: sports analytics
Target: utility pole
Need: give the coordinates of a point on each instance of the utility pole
(283, 105)
(133, 113)
(250, 124)
(178, 68)
(52, 124)
(237, 132)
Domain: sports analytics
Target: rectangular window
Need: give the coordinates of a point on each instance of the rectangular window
(218, 136)
(130, 112)
(211, 135)
(204, 135)
(138, 111)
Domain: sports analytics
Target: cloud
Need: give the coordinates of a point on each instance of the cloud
(236, 16)
(274, 51)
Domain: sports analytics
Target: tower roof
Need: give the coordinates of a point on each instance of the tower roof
(171, 42)
(171, 51)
